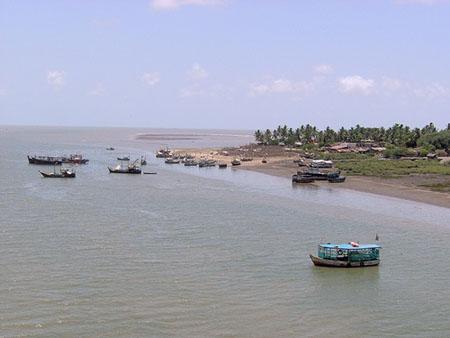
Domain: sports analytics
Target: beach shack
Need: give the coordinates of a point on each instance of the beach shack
(350, 254)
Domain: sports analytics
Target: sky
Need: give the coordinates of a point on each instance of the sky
(229, 64)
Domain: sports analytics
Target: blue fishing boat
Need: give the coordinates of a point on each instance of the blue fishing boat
(347, 255)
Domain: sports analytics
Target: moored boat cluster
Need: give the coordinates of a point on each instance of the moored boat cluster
(125, 167)
(317, 170)
(189, 160)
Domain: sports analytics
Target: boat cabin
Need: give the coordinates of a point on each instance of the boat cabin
(348, 254)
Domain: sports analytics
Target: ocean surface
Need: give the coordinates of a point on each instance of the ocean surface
(203, 252)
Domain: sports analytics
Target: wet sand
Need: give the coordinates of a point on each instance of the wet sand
(283, 166)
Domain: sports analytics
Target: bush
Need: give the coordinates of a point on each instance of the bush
(396, 152)
(441, 153)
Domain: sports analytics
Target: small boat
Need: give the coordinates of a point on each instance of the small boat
(347, 255)
(302, 179)
(246, 159)
(45, 160)
(150, 173)
(63, 173)
(235, 162)
(172, 161)
(164, 153)
(143, 160)
(222, 165)
(110, 148)
(207, 163)
(321, 164)
(125, 158)
(338, 179)
(264, 160)
(190, 163)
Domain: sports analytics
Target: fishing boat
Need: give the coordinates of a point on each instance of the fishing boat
(190, 163)
(75, 159)
(347, 255)
(63, 173)
(318, 174)
(124, 158)
(164, 153)
(124, 170)
(222, 165)
(302, 179)
(338, 179)
(235, 162)
(132, 168)
(321, 164)
(206, 163)
(172, 161)
(45, 160)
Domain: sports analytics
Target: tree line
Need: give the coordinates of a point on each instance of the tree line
(398, 135)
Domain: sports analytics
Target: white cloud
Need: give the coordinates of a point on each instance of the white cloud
(197, 72)
(392, 84)
(175, 4)
(99, 90)
(432, 91)
(151, 79)
(280, 86)
(56, 78)
(191, 92)
(323, 69)
(356, 84)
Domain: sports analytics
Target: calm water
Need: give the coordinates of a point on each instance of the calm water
(203, 252)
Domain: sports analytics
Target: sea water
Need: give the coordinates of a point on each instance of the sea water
(203, 252)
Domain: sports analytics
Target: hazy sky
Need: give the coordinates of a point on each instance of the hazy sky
(224, 64)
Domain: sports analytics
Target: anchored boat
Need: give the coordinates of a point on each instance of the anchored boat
(75, 159)
(302, 179)
(235, 162)
(347, 255)
(45, 160)
(63, 173)
(132, 168)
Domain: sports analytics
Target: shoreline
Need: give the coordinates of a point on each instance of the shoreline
(372, 185)
(283, 166)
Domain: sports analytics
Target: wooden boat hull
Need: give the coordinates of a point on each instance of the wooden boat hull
(53, 175)
(302, 179)
(342, 264)
(75, 161)
(42, 161)
(115, 171)
(339, 179)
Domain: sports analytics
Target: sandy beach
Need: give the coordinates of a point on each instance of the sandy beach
(405, 187)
